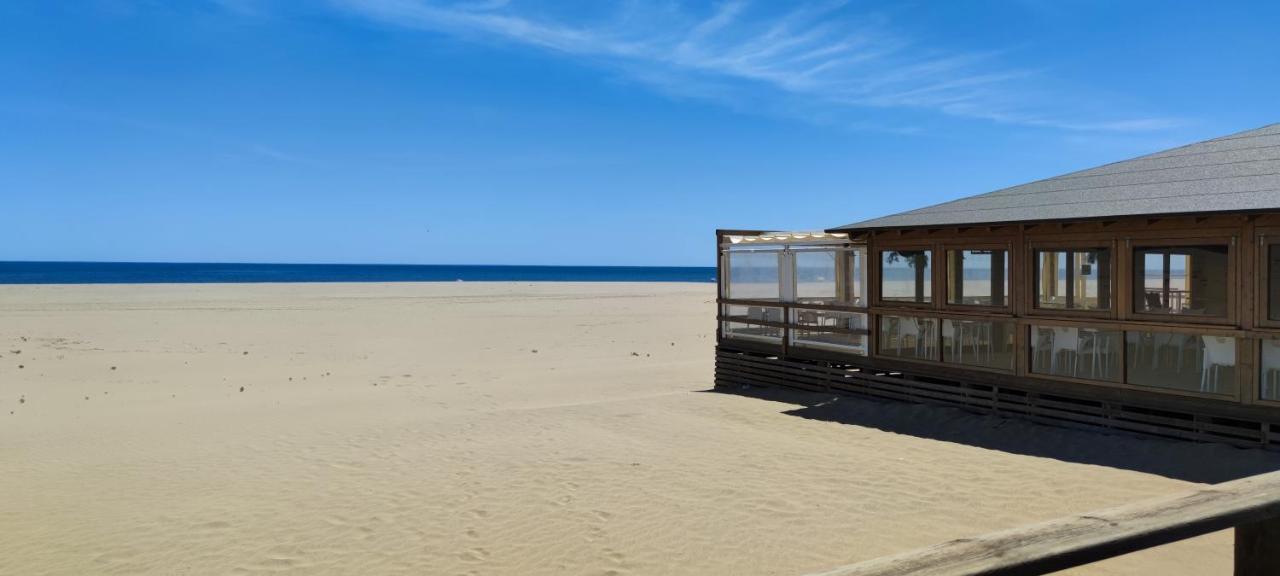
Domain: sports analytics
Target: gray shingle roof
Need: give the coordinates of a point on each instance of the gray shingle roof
(1240, 172)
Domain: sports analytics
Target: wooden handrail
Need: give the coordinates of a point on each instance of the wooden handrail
(1251, 505)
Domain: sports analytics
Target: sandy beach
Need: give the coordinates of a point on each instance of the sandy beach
(470, 428)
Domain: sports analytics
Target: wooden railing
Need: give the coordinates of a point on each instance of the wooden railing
(1250, 505)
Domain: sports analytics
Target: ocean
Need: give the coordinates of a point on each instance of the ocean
(196, 273)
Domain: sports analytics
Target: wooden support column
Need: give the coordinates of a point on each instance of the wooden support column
(919, 270)
(1258, 548)
(998, 278)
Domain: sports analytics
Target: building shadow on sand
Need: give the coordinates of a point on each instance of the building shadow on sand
(1178, 459)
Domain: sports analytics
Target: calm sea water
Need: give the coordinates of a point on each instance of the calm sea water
(151, 273)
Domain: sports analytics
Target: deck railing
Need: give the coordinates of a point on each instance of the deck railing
(1250, 505)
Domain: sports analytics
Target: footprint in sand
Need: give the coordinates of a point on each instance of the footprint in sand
(474, 555)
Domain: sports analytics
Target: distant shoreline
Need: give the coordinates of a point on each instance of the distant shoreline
(27, 273)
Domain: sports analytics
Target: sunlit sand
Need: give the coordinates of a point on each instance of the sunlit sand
(495, 429)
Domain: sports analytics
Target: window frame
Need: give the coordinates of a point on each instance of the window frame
(878, 326)
(1032, 274)
(930, 247)
(727, 291)
(1243, 379)
(1233, 285)
(1267, 237)
(1258, 378)
(841, 250)
(1017, 330)
(1009, 275)
(1028, 332)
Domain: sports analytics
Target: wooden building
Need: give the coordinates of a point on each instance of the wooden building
(1142, 295)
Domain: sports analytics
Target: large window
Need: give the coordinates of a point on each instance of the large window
(977, 277)
(829, 329)
(747, 323)
(816, 276)
(906, 276)
(1073, 279)
(1191, 362)
(978, 343)
(753, 275)
(1270, 377)
(1085, 353)
(1189, 280)
(909, 337)
(855, 264)
(834, 276)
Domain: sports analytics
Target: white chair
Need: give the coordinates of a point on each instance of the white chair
(1098, 345)
(953, 339)
(904, 328)
(924, 339)
(1219, 351)
(921, 332)
(1065, 340)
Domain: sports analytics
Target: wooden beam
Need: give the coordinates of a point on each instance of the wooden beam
(1258, 548)
(1252, 503)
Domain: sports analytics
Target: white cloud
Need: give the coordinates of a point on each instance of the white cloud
(819, 56)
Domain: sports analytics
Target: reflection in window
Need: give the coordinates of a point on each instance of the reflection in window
(906, 276)
(753, 313)
(909, 337)
(1086, 353)
(753, 275)
(977, 277)
(816, 276)
(978, 343)
(742, 331)
(813, 329)
(1181, 280)
(1189, 362)
(1270, 370)
(1075, 279)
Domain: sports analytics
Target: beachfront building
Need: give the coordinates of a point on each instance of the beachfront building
(1142, 295)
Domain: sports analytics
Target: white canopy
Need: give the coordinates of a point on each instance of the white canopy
(790, 238)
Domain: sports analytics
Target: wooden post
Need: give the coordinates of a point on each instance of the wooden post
(1258, 548)
(920, 259)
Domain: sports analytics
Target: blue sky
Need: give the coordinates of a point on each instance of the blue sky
(529, 132)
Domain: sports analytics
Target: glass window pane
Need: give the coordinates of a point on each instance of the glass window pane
(741, 331)
(1190, 362)
(1270, 377)
(753, 313)
(909, 337)
(1273, 282)
(906, 276)
(1085, 353)
(753, 275)
(815, 276)
(978, 343)
(977, 277)
(1075, 279)
(812, 330)
(1181, 280)
(855, 291)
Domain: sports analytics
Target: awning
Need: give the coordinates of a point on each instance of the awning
(790, 238)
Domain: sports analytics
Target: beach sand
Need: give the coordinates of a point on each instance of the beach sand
(466, 428)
